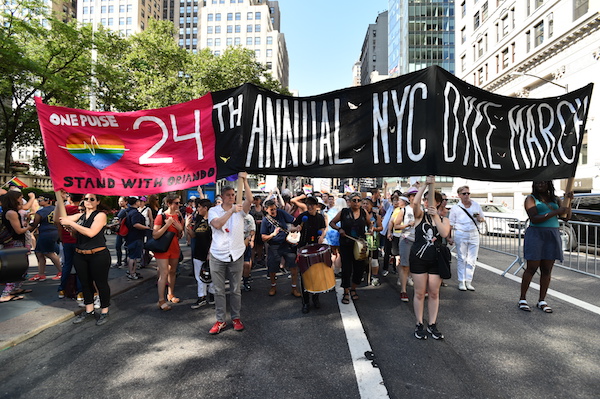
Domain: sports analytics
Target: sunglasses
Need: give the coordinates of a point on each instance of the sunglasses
(89, 199)
(177, 202)
(355, 200)
(465, 193)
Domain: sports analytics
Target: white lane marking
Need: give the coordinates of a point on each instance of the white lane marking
(368, 378)
(551, 292)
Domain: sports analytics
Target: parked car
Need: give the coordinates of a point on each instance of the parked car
(500, 220)
(583, 234)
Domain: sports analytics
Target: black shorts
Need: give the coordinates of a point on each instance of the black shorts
(395, 249)
(420, 266)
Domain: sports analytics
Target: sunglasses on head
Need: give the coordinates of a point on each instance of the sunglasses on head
(89, 199)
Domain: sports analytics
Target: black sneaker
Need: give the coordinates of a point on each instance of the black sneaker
(211, 299)
(246, 286)
(102, 318)
(83, 316)
(199, 303)
(435, 333)
(420, 331)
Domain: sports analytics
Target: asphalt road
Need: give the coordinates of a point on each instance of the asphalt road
(491, 350)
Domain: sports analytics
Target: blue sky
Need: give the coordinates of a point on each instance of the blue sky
(324, 39)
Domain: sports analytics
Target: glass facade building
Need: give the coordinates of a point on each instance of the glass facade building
(420, 34)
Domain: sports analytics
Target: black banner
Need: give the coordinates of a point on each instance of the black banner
(427, 122)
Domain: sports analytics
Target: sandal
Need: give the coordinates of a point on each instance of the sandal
(173, 299)
(346, 298)
(544, 306)
(163, 305)
(524, 306)
(20, 291)
(353, 295)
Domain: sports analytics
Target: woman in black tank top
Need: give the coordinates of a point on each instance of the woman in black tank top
(92, 258)
(429, 227)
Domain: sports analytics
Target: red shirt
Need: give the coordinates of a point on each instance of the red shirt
(67, 238)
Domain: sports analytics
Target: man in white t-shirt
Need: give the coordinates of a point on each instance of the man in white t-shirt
(227, 253)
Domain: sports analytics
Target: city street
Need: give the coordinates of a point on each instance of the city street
(491, 349)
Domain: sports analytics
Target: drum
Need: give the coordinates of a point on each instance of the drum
(14, 263)
(314, 263)
(360, 249)
(373, 241)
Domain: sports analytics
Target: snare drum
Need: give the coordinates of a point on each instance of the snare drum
(14, 263)
(314, 263)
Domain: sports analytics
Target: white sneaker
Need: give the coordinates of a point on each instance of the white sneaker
(462, 286)
(96, 302)
(410, 281)
(469, 286)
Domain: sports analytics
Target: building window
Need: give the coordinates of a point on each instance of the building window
(209, 42)
(257, 41)
(256, 28)
(505, 58)
(111, 9)
(463, 35)
(121, 20)
(249, 41)
(484, 11)
(218, 16)
(237, 41)
(249, 28)
(269, 66)
(463, 8)
(476, 21)
(257, 15)
(550, 25)
(110, 21)
(121, 8)
(539, 34)
(229, 41)
(580, 8)
(505, 26)
(238, 16)
(218, 29)
(249, 16)
(229, 28)
(210, 17)
(129, 7)
(528, 41)
(230, 16)
(480, 76)
(463, 63)
(238, 29)
(538, 3)
(129, 21)
(217, 42)
(209, 29)
(269, 53)
(269, 39)
(480, 47)
(103, 10)
(257, 53)
(102, 21)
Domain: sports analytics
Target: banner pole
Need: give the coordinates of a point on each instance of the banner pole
(569, 187)
(240, 191)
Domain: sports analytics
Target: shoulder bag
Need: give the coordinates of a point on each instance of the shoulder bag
(162, 243)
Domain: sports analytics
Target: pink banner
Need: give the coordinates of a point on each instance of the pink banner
(129, 153)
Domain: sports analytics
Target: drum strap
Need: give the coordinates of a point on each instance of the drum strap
(275, 223)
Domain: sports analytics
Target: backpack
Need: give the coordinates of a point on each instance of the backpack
(123, 226)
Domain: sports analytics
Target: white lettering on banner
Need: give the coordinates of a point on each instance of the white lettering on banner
(533, 135)
(233, 112)
(279, 134)
(83, 120)
(381, 124)
(146, 159)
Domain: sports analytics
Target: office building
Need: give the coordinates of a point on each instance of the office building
(125, 16)
(421, 34)
(373, 55)
(534, 49)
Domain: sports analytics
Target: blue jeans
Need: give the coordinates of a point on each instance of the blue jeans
(68, 252)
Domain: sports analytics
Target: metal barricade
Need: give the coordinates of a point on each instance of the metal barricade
(581, 246)
(505, 236)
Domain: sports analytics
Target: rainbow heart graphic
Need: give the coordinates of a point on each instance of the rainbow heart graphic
(99, 152)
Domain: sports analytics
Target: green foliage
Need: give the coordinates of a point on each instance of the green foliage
(65, 64)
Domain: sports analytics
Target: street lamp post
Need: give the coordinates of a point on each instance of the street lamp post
(517, 73)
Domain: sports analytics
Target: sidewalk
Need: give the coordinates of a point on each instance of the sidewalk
(41, 309)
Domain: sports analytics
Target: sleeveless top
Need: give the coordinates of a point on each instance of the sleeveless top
(353, 227)
(8, 226)
(426, 234)
(543, 208)
(85, 242)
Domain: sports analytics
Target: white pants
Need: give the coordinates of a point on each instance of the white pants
(203, 288)
(467, 247)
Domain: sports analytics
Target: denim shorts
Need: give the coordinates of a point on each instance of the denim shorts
(134, 249)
